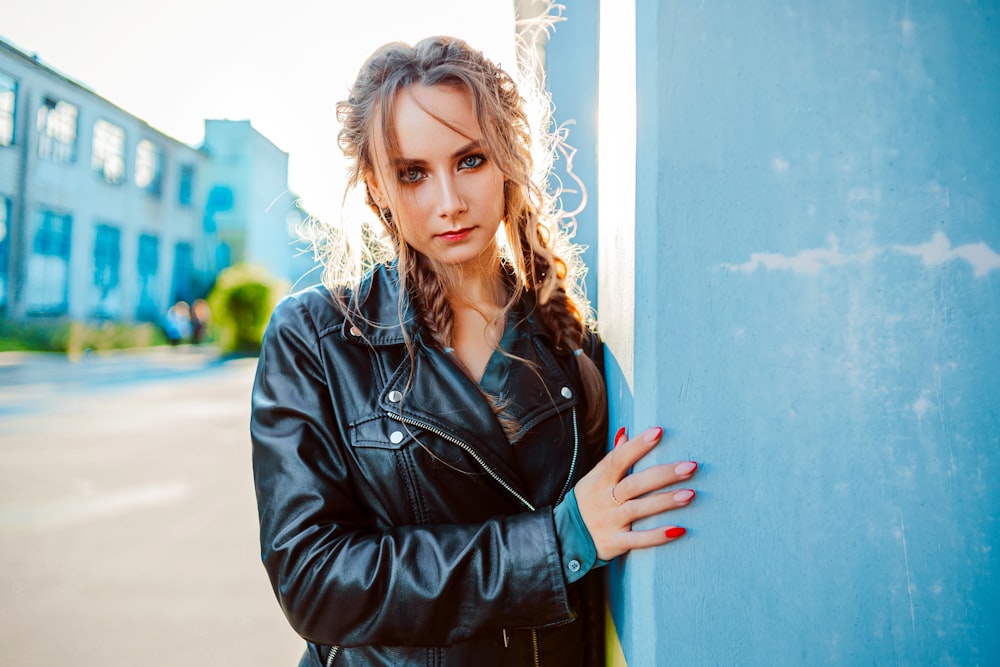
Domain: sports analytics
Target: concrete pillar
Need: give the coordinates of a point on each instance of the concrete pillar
(802, 285)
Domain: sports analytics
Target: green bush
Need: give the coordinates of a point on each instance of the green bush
(34, 335)
(111, 336)
(74, 337)
(241, 303)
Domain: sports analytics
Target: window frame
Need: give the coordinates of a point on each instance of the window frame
(102, 148)
(149, 166)
(185, 187)
(107, 256)
(6, 209)
(54, 127)
(8, 114)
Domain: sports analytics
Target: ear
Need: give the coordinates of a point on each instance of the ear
(374, 191)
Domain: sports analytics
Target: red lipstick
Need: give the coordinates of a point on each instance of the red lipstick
(456, 234)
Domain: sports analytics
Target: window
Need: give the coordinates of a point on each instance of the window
(149, 255)
(57, 130)
(109, 151)
(46, 286)
(148, 166)
(52, 235)
(8, 104)
(186, 186)
(184, 276)
(149, 265)
(107, 258)
(4, 247)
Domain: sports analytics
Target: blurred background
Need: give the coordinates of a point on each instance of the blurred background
(156, 160)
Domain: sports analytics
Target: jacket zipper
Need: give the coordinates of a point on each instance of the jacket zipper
(475, 455)
(472, 452)
(332, 655)
(572, 463)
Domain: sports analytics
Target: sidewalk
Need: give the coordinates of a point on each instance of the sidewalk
(128, 523)
(163, 353)
(26, 376)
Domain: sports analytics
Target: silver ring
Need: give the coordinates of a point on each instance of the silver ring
(617, 502)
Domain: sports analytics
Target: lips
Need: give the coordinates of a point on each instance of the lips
(455, 234)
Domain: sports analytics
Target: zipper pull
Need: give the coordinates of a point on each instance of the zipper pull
(506, 638)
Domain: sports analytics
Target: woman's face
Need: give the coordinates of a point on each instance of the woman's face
(447, 193)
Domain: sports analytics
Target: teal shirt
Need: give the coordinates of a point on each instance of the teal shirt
(579, 555)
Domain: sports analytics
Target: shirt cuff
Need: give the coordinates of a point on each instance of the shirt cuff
(579, 555)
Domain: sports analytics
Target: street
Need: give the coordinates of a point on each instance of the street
(128, 528)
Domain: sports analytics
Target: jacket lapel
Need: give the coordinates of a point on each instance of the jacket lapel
(443, 399)
(430, 391)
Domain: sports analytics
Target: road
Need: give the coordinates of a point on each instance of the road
(127, 515)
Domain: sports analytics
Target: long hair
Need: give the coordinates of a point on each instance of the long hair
(537, 252)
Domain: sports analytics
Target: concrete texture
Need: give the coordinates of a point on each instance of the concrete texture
(806, 298)
(127, 515)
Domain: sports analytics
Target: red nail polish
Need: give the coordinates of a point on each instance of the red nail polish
(686, 468)
(659, 432)
(675, 532)
(619, 435)
(684, 495)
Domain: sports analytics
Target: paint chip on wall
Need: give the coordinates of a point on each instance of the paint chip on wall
(937, 251)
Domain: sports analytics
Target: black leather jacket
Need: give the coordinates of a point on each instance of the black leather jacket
(398, 524)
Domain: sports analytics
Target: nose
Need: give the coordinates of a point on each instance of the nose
(451, 203)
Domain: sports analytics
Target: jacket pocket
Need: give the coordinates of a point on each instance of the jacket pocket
(383, 433)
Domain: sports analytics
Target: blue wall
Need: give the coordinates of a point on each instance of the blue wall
(814, 315)
(571, 77)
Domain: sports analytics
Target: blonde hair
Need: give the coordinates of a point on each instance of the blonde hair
(537, 252)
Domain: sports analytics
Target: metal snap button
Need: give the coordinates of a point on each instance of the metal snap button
(566, 392)
(355, 331)
(396, 437)
(395, 396)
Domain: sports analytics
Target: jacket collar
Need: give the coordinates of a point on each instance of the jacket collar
(374, 315)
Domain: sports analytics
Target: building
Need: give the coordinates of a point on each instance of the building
(103, 216)
(249, 205)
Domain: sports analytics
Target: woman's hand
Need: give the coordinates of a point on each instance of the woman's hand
(610, 499)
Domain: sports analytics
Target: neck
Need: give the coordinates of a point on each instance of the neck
(477, 285)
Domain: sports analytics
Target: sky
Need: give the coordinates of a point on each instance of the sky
(282, 65)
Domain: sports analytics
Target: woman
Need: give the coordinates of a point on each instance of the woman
(423, 435)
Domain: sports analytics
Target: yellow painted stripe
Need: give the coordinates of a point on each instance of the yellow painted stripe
(613, 654)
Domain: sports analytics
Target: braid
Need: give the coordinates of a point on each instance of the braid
(562, 319)
(547, 274)
(438, 318)
(435, 309)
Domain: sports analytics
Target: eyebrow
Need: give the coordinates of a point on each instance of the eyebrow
(471, 147)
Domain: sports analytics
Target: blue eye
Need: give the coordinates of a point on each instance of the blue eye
(411, 175)
(472, 161)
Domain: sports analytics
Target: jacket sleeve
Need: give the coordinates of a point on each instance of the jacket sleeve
(339, 580)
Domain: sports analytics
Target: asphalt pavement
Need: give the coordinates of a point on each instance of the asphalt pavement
(128, 530)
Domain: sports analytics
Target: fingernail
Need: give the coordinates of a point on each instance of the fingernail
(657, 432)
(683, 496)
(686, 468)
(619, 435)
(675, 532)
